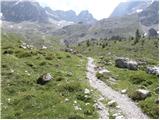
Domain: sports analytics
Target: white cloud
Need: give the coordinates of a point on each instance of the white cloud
(99, 8)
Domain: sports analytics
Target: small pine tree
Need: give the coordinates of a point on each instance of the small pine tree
(142, 43)
(103, 45)
(137, 36)
(88, 43)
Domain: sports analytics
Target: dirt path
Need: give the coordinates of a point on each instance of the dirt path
(128, 107)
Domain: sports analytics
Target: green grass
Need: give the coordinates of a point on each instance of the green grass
(105, 56)
(22, 97)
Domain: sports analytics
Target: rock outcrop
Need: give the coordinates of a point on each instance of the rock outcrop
(126, 63)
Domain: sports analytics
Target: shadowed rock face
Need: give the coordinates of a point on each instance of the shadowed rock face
(18, 11)
(23, 11)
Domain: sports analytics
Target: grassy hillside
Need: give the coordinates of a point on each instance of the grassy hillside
(105, 53)
(22, 97)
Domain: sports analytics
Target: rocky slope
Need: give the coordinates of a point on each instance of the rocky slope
(18, 11)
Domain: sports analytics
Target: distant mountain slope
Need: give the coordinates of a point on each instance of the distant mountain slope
(150, 15)
(18, 11)
(106, 28)
(130, 7)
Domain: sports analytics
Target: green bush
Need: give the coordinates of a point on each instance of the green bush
(135, 79)
(150, 107)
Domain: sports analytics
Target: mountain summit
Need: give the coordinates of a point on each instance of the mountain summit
(18, 11)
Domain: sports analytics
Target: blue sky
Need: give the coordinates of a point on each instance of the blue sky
(99, 8)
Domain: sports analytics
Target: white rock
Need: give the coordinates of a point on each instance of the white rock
(119, 117)
(12, 71)
(118, 106)
(110, 103)
(9, 99)
(86, 96)
(115, 114)
(47, 77)
(86, 91)
(28, 74)
(101, 98)
(44, 47)
(103, 71)
(87, 103)
(124, 91)
(143, 93)
(77, 108)
(66, 100)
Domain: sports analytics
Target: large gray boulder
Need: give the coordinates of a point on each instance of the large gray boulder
(121, 62)
(44, 78)
(153, 70)
(132, 65)
(126, 63)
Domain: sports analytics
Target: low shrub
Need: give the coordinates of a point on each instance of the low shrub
(150, 107)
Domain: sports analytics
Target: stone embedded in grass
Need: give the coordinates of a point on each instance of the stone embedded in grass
(143, 93)
(66, 100)
(87, 103)
(44, 47)
(87, 91)
(69, 74)
(119, 117)
(101, 99)
(126, 63)
(124, 91)
(9, 100)
(77, 108)
(99, 107)
(44, 78)
(12, 71)
(112, 103)
(153, 70)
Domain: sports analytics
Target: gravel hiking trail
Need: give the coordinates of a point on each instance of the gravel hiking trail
(128, 107)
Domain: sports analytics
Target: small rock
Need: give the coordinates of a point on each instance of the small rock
(87, 103)
(124, 91)
(44, 47)
(75, 101)
(101, 99)
(119, 117)
(115, 114)
(28, 74)
(12, 71)
(111, 103)
(118, 106)
(77, 108)
(44, 78)
(86, 96)
(66, 100)
(103, 71)
(22, 46)
(9, 99)
(143, 93)
(153, 70)
(98, 106)
(86, 91)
